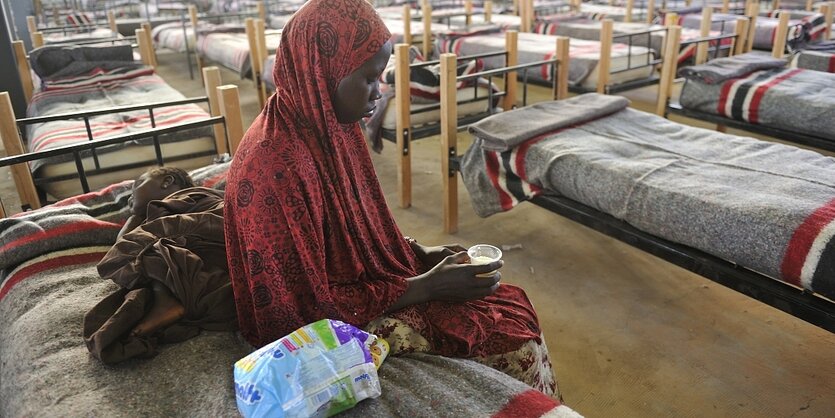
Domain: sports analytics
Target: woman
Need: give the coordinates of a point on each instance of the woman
(309, 235)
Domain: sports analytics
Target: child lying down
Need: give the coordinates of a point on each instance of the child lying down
(170, 262)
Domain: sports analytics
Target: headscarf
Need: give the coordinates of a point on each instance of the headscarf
(309, 234)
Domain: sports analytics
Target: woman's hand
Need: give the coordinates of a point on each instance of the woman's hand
(431, 256)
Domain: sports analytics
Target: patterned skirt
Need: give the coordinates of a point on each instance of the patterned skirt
(529, 363)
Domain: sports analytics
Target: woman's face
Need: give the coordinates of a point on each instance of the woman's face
(357, 94)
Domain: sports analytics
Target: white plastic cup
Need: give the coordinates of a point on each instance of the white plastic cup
(484, 254)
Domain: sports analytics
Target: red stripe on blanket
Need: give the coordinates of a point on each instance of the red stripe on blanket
(82, 198)
(75, 227)
(723, 96)
(491, 159)
(521, 153)
(754, 107)
(51, 263)
(802, 240)
(530, 403)
(212, 181)
(831, 64)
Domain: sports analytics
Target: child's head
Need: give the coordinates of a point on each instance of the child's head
(155, 184)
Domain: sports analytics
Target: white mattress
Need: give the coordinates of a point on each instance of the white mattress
(423, 118)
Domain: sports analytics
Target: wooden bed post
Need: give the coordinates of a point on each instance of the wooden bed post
(530, 16)
(2, 210)
(701, 48)
(775, 4)
(142, 41)
(212, 77)
(726, 6)
(561, 87)
(525, 22)
(37, 39)
(38, 6)
(752, 25)
(827, 10)
(449, 141)
(488, 11)
(230, 108)
(779, 48)
(511, 39)
(24, 70)
(262, 11)
(111, 21)
(671, 19)
(152, 54)
(630, 4)
(604, 64)
(192, 15)
(740, 31)
(468, 12)
(263, 52)
(14, 146)
(32, 25)
(403, 122)
(407, 24)
(255, 58)
(668, 69)
(427, 28)
(650, 11)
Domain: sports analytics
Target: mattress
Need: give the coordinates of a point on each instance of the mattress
(173, 35)
(95, 34)
(231, 50)
(765, 206)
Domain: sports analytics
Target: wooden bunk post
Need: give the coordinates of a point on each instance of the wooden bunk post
(561, 87)
(449, 141)
(488, 11)
(111, 21)
(779, 48)
(37, 39)
(524, 23)
(407, 24)
(427, 29)
(726, 6)
(827, 10)
(650, 11)
(604, 64)
(211, 75)
(32, 25)
(775, 4)
(192, 15)
(14, 146)
(152, 53)
(510, 77)
(403, 123)
(468, 12)
(671, 19)
(23, 70)
(230, 108)
(142, 41)
(529, 16)
(263, 52)
(701, 48)
(752, 25)
(2, 210)
(38, 6)
(668, 69)
(629, 6)
(262, 11)
(740, 31)
(255, 58)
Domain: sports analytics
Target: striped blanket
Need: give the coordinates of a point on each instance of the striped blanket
(816, 60)
(173, 36)
(48, 281)
(796, 100)
(231, 50)
(765, 206)
(584, 55)
(101, 89)
(803, 27)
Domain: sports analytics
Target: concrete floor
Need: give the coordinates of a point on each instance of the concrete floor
(630, 334)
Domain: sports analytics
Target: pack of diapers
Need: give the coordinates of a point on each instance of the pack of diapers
(318, 370)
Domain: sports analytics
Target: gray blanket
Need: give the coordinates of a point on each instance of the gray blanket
(795, 100)
(722, 69)
(751, 202)
(56, 62)
(817, 60)
(509, 129)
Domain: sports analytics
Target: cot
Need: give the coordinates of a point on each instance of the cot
(748, 214)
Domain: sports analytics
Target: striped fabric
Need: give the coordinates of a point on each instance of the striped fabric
(806, 263)
(231, 50)
(741, 98)
(425, 82)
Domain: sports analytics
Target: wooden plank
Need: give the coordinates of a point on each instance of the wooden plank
(211, 75)
(468, 11)
(671, 19)
(449, 141)
(14, 146)
(740, 31)
(650, 11)
(37, 40)
(254, 56)
(403, 124)
(701, 48)
(263, 53)
(779, 48)
(562, 67)
(605, 62)
(827, 10)
(427, 29)
(32, 25)
(2, 210)
(111, 21)
(668, 69)
(775, 5)
(407, 24)
(192, 15)
(726, 6)
(152, 56)
(525, 25)
(809, 4)
(38, 6)
(629, 6)
(23, 69)
(511, 84)
(488, 11)
(230, 108)
(143, 46)
(262, 11)
(752, 25)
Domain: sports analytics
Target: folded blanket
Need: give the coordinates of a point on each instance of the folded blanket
(182, 246)
(55, 62)
(506, 130)
(722, 69)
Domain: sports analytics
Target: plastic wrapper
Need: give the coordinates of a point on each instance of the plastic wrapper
(318, 370)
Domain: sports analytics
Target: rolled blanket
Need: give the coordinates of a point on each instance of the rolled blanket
(55, 62)
(504, 131)
(722, 69)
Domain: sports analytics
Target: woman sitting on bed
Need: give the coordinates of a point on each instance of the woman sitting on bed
(308, 231)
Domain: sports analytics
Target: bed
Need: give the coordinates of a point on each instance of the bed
(48, 281)
(749, 214)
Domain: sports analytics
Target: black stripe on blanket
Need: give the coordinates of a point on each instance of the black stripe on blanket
(513, 182)
(822, 279)
(737, 106)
